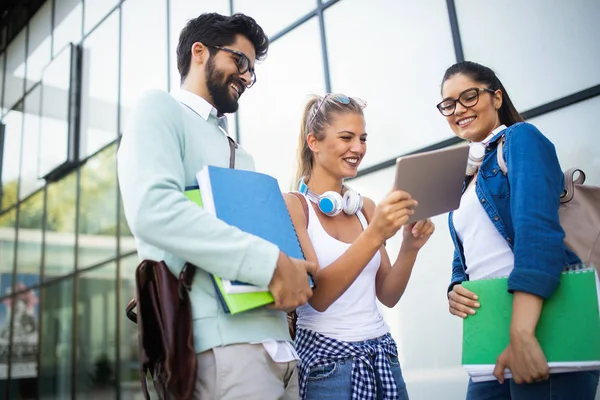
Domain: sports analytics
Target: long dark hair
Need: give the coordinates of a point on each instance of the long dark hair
(508, 113)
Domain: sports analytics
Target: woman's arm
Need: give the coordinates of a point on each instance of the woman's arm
(333, 281)
(391, 281)
(536, 182)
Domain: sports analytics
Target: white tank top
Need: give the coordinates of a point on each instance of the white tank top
(354, 316)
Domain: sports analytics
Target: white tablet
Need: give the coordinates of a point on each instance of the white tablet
(434, 178)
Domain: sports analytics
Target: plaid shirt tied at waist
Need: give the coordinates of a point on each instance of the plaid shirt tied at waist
(369, 356)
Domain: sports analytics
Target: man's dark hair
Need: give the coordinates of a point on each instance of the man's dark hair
(212, 29)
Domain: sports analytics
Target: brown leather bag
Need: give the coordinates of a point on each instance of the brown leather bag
(165, 329)
(165, 324)
(579, 213)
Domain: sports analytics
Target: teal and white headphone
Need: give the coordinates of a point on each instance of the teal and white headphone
(332, 203)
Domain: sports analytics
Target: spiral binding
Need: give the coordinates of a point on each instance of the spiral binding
(582, 267)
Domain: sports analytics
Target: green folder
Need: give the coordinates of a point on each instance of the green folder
(237, 302)
(568, 329)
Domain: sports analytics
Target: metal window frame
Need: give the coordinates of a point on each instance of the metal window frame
(318, 12)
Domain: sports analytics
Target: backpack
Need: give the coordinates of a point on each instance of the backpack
(579, 213)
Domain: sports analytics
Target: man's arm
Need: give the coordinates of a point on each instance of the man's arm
(152, 182)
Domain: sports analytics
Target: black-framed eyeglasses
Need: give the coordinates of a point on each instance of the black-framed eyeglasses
(468, 98)
(340, 98)
(242, 63)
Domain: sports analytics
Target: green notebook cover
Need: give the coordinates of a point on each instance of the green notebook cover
(239, 302)
(568, 329)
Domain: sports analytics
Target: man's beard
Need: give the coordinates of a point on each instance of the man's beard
(219, 89)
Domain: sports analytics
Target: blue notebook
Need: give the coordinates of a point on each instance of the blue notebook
(252, 202)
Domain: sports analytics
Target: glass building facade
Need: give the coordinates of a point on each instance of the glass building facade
(69, 78)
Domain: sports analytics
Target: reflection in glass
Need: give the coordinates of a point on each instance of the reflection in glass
(400, 77)
(56, 134)
(127, 241)
(31, 144)
(431, 367)
(2, 110)
(68, 17)
(270, 112)
(15, 70)
(99, 86)
(29, 246)
(56, 344)
(97, 333)
(574, 132)
(8, 222)
(94, 11)
(38, 43)
(13, 123)
(24, 307)
(567, 62)
(274, 22)
(59, 249)
(130, 375)
(151, 73)
(180, 13)
(98, 209)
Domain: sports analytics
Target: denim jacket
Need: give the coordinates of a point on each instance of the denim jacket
(523, 206)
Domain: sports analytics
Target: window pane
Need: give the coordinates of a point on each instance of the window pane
(180, 13)
(399, 77)
(551, 50)
(31, 144)
(56, 348)
(127, 240)
(54, 113)
(15, 70)
(130, 372)
(8, 222)
(59, 249)
(430, 366)
(2, 109)
(67, 23)
(29, 247)
(97, 333)
(263, 129)
(573, 130)
(13, 123)
(98, 209)
(274, 22)
(94, 11)
(39, 41)
(100, 86)
(24, 366)
(149, 17)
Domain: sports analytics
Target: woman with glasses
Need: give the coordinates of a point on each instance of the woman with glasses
(508, 226)
(345, 348)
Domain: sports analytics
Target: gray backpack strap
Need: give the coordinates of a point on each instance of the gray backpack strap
(500, 156)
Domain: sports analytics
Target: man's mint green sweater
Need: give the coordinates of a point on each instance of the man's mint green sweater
(164, 145)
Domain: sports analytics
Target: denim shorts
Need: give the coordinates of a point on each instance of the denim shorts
(333, 381)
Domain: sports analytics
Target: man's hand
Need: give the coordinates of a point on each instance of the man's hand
(525, 360)
(289, 285)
